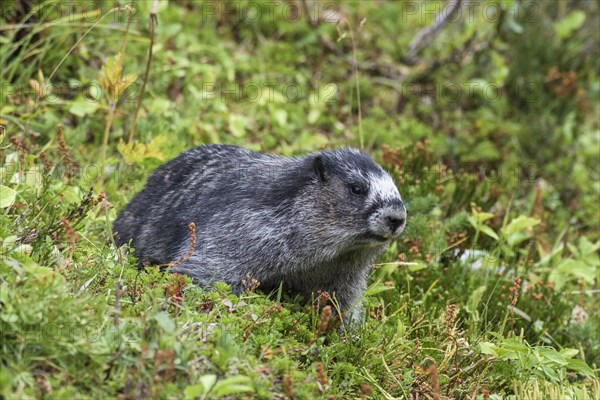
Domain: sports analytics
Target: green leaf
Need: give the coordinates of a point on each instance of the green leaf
(551, 355)
(281, 117)
(38, 271)
(549, 372)
(164, 321)
(138, 152)
(569, 24)
(482, 216)
(578, 269)
(7, 196)
(206, 383)
(573, 249)
(475, 299)
(231, 385)
(193, 391)
(569, 353)
(414, 268)
(313, 115)
(512, 24)
(400, 329)
(580, 367)
(82, 107)
(237, 125)
(377, 289)
(586, 247)
(489, 231)
(473, 222)
(516, 346)
(517, 238)
(555, 252)
(488, 348)
(519, 224)
(34, 178)
(558, 279)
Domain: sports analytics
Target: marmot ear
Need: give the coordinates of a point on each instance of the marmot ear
(319, 168)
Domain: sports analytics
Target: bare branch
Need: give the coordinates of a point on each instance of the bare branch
(426, 35)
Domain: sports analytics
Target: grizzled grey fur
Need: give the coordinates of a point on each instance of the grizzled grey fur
(314, 223)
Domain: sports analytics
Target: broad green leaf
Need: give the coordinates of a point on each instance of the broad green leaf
(573, 249)
(488, 348)
(586, 247)
(519, 224)
(515, 345)
(473, 222)
(231, 385)
(25, 249)
(551, 355)
(7, 196)
(549, 372)
(517, 238)
(481, 216)
(193, 391)
(558, 279)
(82, 107)
(506, 354)
(38, 271)
(8, 242)
(208, 381)
(569, 24)
(578, 269)
(489, 231)
(34, 178)
(569, 353)
(580, 366)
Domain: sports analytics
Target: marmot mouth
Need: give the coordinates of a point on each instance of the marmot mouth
(376, 237)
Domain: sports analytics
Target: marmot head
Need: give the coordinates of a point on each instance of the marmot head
(356, 200)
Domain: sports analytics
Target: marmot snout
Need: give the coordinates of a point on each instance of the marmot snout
(313, 223)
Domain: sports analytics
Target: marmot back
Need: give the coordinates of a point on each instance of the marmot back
(314, 223)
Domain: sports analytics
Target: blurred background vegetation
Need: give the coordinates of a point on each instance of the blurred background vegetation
(486, 113)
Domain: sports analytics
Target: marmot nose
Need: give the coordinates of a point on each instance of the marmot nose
(394, 222)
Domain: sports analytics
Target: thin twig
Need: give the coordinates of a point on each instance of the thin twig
(117, 313)
(107, 125)
(426, 35)
(153, 23)
(356, 78)
(192, 247)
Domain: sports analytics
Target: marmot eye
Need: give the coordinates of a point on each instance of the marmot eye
(357, 189)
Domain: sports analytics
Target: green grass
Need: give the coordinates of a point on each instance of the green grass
(491, 293)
